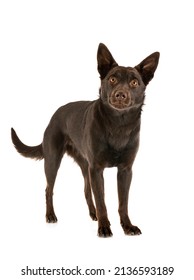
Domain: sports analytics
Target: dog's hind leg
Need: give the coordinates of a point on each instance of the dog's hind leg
(53, 153)
(88, 192)
(87, 187)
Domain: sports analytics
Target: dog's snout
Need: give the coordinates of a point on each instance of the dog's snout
(120, 99)
(121, 95)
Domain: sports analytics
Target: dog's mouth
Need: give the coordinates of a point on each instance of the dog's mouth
(119, 106)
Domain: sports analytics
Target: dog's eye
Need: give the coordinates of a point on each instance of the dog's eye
(112, 80)
(134, 83)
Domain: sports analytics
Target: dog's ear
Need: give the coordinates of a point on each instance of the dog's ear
(105, 60)
(148, 66)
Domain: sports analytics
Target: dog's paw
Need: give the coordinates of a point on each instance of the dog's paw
(51, 218)
(104, 231)
(131, 230)
(104, 227)
(93, 216)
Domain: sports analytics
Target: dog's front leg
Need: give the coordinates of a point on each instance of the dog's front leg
(124, 177)
(97, 183)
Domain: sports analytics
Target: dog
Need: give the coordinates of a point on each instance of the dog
(98, 134)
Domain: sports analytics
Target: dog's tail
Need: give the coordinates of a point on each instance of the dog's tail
(35, 152)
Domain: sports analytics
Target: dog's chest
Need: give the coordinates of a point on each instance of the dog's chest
(119, 139)
(119, 149)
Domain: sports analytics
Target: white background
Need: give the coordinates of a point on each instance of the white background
(48, 58)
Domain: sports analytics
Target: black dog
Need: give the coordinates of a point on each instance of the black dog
(98, 134)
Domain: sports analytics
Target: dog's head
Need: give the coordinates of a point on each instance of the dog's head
(124, 87)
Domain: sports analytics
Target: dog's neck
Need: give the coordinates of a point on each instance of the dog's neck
(119, 118)
(120, 126)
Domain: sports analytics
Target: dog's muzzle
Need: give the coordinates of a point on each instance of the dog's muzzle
(120, 99)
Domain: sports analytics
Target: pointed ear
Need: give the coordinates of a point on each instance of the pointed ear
(105, 60)
(148, 66)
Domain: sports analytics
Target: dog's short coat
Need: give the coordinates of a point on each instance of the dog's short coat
(98, 134)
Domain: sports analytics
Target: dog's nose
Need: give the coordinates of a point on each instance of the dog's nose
(121, 95)
(120, 99)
